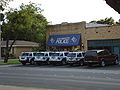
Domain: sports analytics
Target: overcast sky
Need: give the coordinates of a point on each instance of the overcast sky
(58, 11)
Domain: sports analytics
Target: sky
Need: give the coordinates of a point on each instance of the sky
(72, 11)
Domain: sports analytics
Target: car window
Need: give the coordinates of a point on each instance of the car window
(91, 53)
(106, 52)
(66, 54)
(101, 53)
(35, 54)
(79, 55)
(71, 55)
(54, 54)
(46, 54)
(40, 54)
(83, 54)
(61, 54)
(25, 54)
(30, 54)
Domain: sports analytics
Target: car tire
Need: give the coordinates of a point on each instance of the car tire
(102, 64)
(81, 63)
(23, 63)
(63, 62)
(116, 62)
(47, 62)
(32, 62)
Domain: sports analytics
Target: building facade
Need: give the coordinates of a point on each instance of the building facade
(90, 36)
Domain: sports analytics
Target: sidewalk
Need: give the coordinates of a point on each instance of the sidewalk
(4, 87)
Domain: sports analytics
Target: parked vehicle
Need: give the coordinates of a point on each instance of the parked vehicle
(42, 57)
(101, 57)
(58, 57)
(76, 58)
(27, 57)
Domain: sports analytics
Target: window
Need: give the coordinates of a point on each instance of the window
(106, 52)
(61, 54)
(25, 54)
(101, 53)
(46, 54)
(79, 55)
(30, 54)
(35, 54)
(91, 53)
(66, 54)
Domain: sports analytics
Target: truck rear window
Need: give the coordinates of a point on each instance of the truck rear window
(91, 53)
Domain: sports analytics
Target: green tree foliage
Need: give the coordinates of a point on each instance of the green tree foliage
(27, 23)
(3, 4)
(109, 21)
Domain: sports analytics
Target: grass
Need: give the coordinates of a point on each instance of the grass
(10, 61)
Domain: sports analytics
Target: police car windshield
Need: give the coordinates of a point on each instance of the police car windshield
(54, 54)
(25, 54)
(71, 55)
(40, 54)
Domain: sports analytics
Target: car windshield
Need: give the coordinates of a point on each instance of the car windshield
(25, 54)
(35, 54)
(54, 54)
(91, 53)
(71, 55)
(66, 54)
(40, 54)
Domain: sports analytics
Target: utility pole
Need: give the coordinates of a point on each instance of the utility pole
(0, 41)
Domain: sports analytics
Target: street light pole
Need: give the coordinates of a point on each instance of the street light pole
(0, 41)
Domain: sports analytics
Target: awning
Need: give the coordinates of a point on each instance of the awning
(64, 40)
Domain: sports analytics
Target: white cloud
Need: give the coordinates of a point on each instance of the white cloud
(59, 11)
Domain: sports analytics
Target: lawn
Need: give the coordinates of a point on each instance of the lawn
(10, 61)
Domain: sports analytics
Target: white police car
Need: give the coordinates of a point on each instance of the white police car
(76, 58)
(42, 57)
(58, 57)
(27, 57)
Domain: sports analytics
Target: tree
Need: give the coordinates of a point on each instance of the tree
(27, 23)
(109, 21)
(3, 4)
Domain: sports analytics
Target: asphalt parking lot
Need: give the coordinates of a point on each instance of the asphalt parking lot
(60, 77)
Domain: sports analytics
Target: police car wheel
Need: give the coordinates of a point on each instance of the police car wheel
(23, 63)
(81, 63)
(32, 62)
(63, 62)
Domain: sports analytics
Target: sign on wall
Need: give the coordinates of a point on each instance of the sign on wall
(64, 40)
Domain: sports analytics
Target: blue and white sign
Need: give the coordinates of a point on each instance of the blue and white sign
(64, 40)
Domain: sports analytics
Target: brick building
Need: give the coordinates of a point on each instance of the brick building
(83, 36)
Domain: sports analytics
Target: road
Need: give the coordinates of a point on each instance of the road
(61, 77)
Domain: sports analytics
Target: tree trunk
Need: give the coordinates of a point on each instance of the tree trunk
(8, 49)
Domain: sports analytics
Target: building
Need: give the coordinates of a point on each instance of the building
(82, 36)
(19, 46)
